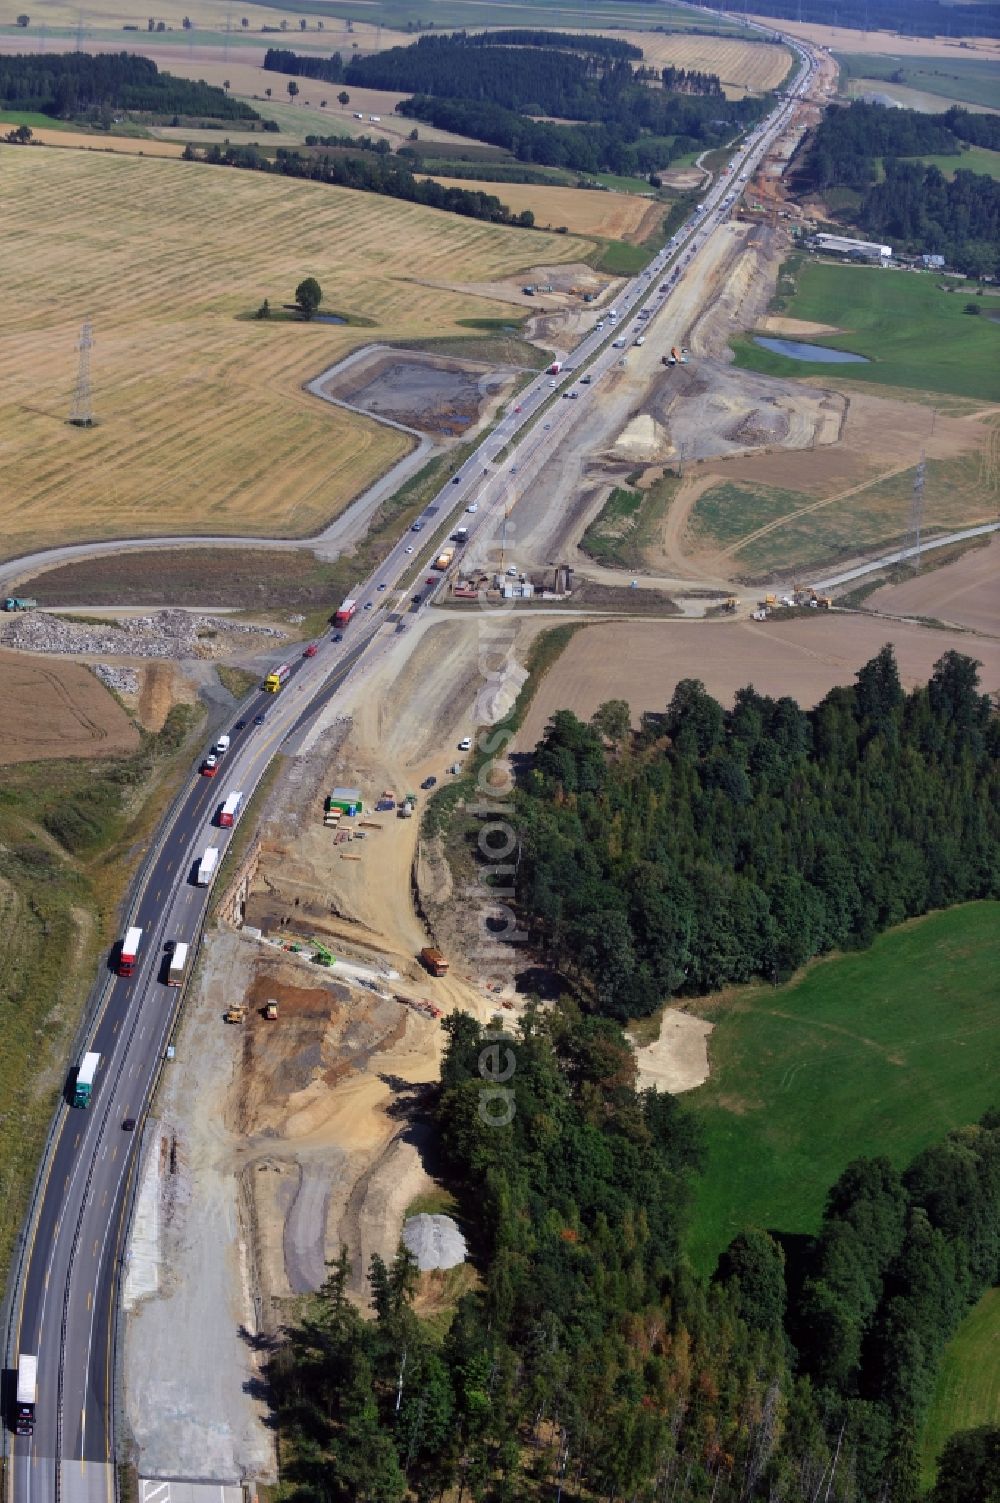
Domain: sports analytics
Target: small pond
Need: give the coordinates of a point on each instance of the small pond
(818, 353)
(328, 318)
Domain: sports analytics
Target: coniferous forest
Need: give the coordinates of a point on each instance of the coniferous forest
(715, 845)
(74, 84)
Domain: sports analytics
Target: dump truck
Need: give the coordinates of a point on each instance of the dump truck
(207, 866)
(27, 1394)
(83, 1086)
(444, 558)
(19, 603)
(129, 953)
(433, 961)
(177, 969)
(346, 613)
(277, 678)
(228, 811)
(271, 1010)
(460, 534)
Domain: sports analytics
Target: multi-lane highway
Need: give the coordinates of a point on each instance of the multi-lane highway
(66, 1278)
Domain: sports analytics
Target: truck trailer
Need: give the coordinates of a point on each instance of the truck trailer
(228, 811)
(277, 678)
(207, 866)
(83, 1086)
(346, 613)
(129, 952)
(444, 558)
(19, 603)
(177, 969)
(555, 368)
(27, 1394)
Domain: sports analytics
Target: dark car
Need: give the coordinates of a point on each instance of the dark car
(128, 1125)
(416, 599)
(338, 636)
(428, 783)
(258, 719)
(240, 725)
(456, 479)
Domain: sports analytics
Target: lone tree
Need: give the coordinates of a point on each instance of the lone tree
(343, 97)
(293, 88)
(24, 20)
(308, 296)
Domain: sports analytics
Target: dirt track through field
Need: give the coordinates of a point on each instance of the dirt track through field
(58, 709)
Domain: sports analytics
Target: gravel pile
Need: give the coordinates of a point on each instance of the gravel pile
(435, 1241)
(164, 634)
(122, 680)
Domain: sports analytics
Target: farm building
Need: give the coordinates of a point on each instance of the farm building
(843, 245)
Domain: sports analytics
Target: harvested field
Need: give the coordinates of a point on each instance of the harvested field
(743, 67)
(59, 710)
(428, 392)
(202, 423)
(804, 658)
(965, 593)
(134, 146)
(843, 39)
(584, 211)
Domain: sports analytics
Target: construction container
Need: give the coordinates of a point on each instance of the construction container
(347, 800)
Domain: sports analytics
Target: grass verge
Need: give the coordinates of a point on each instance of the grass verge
(70, 835)
(621, 534)
(238, 681)
(881, 1052)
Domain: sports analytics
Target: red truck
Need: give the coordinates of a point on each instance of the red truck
(346, 613)
(129, 956)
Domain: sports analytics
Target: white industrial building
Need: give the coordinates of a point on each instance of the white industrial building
(843, 245)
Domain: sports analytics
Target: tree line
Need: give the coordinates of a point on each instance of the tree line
(371, 172)
(591, 1362)
(528, 80)
(919, 18)
(718, 845)
(865, 147)
(567, 41)
(74, 84)
(665, 128)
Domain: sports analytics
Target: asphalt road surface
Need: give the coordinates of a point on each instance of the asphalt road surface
(65, 1302)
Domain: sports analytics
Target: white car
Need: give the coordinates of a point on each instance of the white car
(473, 506)
(407, 549)
(465, 744)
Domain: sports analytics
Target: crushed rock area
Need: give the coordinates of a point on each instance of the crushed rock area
(163, 634)
(435, 1242)
(121, 680)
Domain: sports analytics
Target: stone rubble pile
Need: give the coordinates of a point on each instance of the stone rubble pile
(163, 634)
(122, 680)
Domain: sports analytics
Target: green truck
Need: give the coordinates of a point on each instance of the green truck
(83, 1086)
(19, 603)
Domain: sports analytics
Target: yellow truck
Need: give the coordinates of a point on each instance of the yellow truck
(444, 559)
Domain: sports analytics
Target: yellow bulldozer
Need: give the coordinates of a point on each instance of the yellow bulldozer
(235, 1015)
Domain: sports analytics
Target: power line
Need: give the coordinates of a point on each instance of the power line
(917, 511)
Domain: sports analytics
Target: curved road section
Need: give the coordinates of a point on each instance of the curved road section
(66, 1281)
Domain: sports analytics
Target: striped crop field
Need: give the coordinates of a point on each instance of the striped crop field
(742, 66)
(203, 425)
(584, 211)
